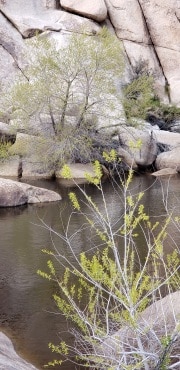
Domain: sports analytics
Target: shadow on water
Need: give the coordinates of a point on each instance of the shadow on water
(27, 311)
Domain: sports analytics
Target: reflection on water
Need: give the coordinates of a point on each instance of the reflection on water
(27, 311)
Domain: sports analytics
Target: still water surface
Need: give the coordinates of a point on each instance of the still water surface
(27, 311)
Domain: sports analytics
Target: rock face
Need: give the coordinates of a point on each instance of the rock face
(13, 193)
(28, 17)
(150, 31)
(94, 9)
(9, 359)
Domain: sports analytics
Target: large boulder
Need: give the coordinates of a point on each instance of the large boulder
(139, 143)
(9, 359)
(10, 167)
(94, 9)
(78, 171)
(171, 139)
(13, 193)
(36, 153)
(169, 159)
(126, 158)
(32, 16)
(157, 322)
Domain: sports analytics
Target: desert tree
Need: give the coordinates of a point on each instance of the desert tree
(71, 83)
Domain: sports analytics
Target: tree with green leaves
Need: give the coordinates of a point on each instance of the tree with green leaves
(106, 292)
(68, 88)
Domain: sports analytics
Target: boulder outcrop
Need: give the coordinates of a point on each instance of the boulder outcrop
(13, 193)
(171, 139)
(29, 17)
(150, 31)
(94, 9)
(78, 171)
(140, 144)
(10, 167)
(169, 159)
(9, 359)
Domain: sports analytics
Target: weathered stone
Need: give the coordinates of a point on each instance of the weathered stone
(35, 158)
(39, 195)
(94, 9)
(126, 17)
(165, 172)
(168, 138)
(170, 159)
(150, 31)
(171, 69)
(126, 158)
(9, 359)
(164, 28)
(32, 167)
(10, 167)
(139, 144)
(78, 171)
(162, 20)
(11, 49)
(163, 315)
(157, 321)
(13, 193)
(32, 16)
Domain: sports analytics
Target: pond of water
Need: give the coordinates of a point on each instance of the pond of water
(27, 312)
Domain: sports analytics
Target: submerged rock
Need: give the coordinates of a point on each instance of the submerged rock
(9, 359)
(14, 193)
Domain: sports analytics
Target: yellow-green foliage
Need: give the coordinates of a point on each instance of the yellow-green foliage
(113, 286)
(4, 150)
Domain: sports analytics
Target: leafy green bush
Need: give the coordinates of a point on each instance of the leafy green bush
(138, 96)
(165, 114)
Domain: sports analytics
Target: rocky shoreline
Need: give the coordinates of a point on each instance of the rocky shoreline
(9, 359)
